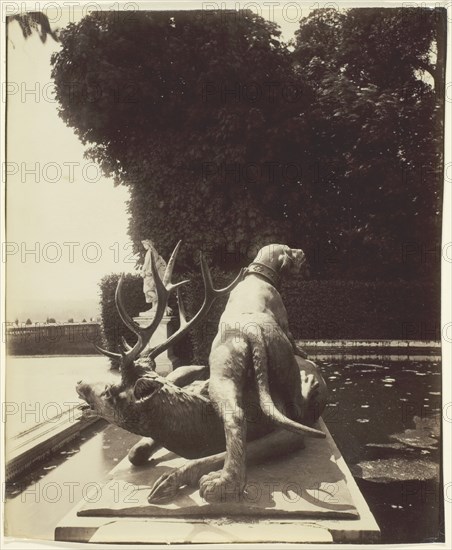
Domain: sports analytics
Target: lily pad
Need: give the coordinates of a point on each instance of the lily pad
(395, 446)
(424, 436)
(413, 438)
(396, 469)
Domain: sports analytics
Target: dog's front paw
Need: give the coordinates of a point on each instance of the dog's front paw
(219, 487)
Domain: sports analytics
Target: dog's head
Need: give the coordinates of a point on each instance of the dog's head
(284, 260)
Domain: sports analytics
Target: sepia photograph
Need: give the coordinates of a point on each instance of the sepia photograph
(226, 273)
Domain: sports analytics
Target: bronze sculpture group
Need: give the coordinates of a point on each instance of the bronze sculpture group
(261, 398)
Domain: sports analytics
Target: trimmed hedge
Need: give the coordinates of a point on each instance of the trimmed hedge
(113, 327)
(316, 309)
(363, 310)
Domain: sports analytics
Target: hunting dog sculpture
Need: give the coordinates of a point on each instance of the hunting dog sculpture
(177, 412)
(254, 339)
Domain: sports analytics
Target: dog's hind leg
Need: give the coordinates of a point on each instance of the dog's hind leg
(228, 483)
(227, 366)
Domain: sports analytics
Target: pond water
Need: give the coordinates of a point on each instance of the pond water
(384, 415)
(40, 388)
(385, 418)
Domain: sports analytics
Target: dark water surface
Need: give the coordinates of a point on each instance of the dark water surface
(385, 418)
(383, 414)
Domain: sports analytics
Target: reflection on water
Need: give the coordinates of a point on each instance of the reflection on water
(385, 417)
(42, 388)
(39, 389)
(39, 501)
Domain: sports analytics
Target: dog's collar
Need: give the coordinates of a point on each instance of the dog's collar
(264, 271)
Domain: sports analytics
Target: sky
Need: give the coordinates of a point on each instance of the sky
(54, 196)
(66, 223)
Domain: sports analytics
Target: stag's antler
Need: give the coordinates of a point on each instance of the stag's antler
(210, 295)
(163, 288)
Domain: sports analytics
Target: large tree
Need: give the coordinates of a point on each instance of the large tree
(184, 107)
(378, 79)
(228, 138)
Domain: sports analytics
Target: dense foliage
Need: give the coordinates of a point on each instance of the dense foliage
(113, 327)
(230, 139)
(378, 112)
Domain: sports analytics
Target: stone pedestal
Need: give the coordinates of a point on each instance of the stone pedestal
(308, 496)
(167, 361)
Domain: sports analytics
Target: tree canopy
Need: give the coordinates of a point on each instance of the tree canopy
(230, 139)
(378, 130)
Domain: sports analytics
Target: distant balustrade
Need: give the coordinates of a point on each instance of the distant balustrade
(53, 338)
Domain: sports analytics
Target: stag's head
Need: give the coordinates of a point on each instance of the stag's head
(139, 386)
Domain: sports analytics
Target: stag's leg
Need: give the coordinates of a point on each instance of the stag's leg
(313, 390)
(140, 453)
(296, 348)
(183, 376)
(292, 392)
(309, 391)
(276, 444)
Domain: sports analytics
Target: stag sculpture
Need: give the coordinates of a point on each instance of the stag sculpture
(175, 411)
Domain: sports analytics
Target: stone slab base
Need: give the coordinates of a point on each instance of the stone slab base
(309, 496)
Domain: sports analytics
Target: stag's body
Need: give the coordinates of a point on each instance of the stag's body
(183, 419)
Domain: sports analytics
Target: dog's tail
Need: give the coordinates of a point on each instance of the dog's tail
(260, 362)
